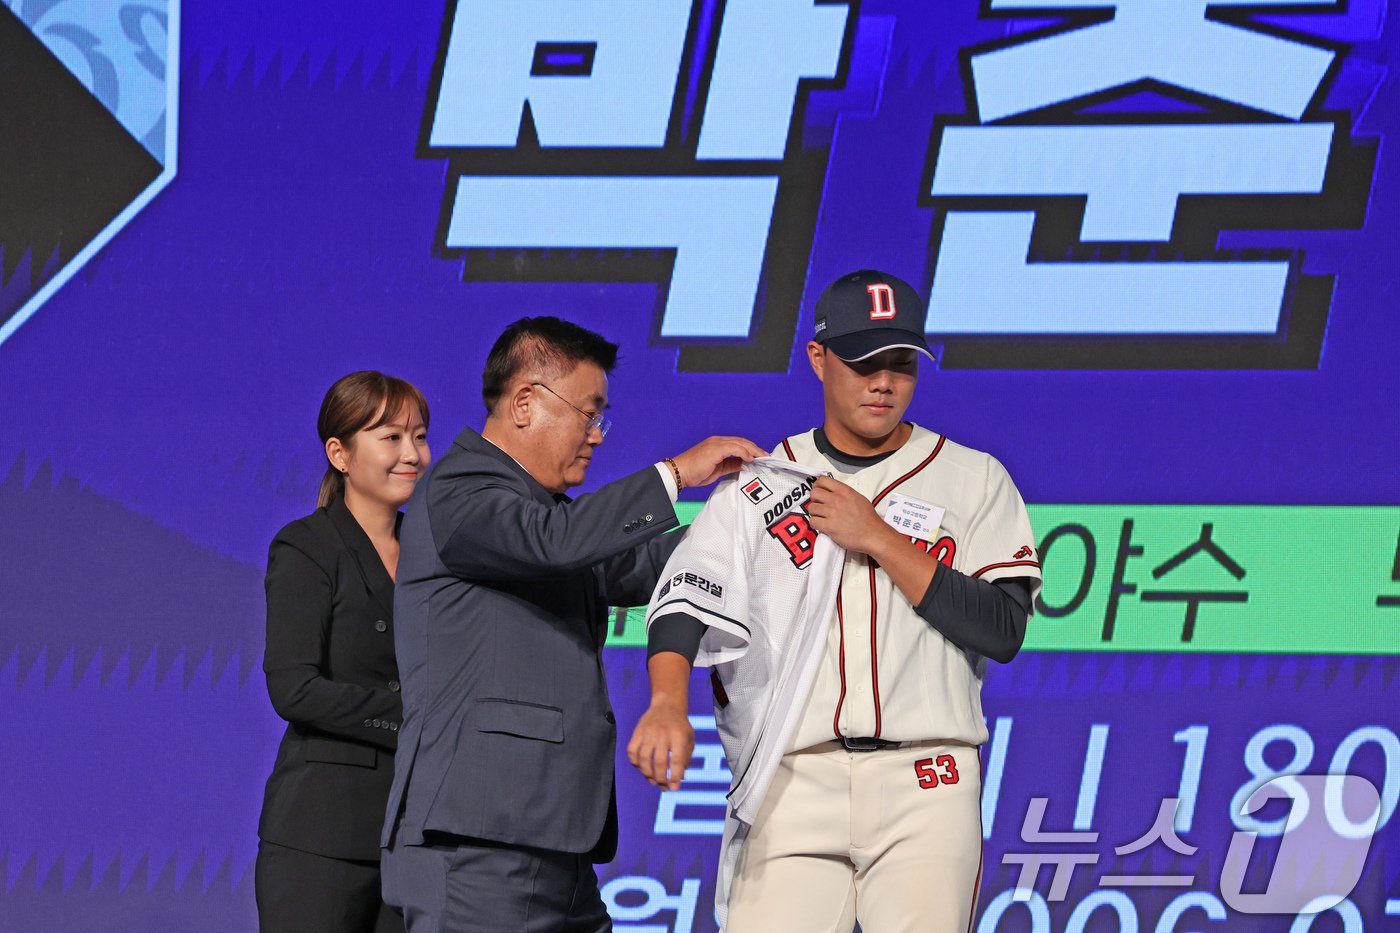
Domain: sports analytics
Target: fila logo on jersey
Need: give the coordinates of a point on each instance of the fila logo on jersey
(692, 580)
(756, 491)
(881, 302)
(1025, 551)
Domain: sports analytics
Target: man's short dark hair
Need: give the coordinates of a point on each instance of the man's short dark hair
(546, 348)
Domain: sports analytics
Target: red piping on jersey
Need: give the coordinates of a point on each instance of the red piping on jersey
(788, 448)
(841, 622)
(874, 651)
(981, 847)
(874, 602)
(1010, 563)
(912, 473)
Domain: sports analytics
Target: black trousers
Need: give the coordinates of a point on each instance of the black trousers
(455, 884)
(299, 892)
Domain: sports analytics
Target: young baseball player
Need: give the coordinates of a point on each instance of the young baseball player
(847, 593)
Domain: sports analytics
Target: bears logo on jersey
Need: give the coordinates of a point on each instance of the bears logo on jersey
(795, 532)
(788, 523)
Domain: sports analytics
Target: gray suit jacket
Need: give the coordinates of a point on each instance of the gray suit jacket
(500, 614)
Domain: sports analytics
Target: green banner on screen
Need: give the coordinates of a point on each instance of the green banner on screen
(1263, 579)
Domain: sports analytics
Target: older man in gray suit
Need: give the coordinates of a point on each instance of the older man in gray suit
(503, 793)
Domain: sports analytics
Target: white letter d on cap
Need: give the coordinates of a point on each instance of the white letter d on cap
(881, 302)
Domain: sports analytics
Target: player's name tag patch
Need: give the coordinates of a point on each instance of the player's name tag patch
(913, 517)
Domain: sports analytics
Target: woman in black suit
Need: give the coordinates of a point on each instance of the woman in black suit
(330, 667)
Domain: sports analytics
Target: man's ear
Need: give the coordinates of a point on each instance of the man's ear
(816, 355)
(518, 405)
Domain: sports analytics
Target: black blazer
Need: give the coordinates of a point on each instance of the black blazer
(331, 674)
(502, 604)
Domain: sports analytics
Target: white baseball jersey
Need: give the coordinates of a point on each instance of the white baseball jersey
(764, 583)
(885, 672)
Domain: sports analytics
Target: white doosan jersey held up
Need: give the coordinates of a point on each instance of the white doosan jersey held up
(764, 583)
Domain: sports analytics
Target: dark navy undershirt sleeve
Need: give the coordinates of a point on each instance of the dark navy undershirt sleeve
(676, 632)
(988, 618)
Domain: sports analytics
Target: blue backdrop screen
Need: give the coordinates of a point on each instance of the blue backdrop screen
(1156, 241)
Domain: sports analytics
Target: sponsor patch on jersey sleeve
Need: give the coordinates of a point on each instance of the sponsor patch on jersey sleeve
(691, 583)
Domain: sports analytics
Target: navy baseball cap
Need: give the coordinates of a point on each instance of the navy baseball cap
(865, 312)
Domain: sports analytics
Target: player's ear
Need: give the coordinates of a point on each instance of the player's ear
(816, 355)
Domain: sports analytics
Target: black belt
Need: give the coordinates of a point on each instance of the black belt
(858, 744)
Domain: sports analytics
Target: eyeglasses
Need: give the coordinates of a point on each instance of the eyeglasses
(599, 420)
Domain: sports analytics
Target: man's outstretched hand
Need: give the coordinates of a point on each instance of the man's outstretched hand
(713, 458)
